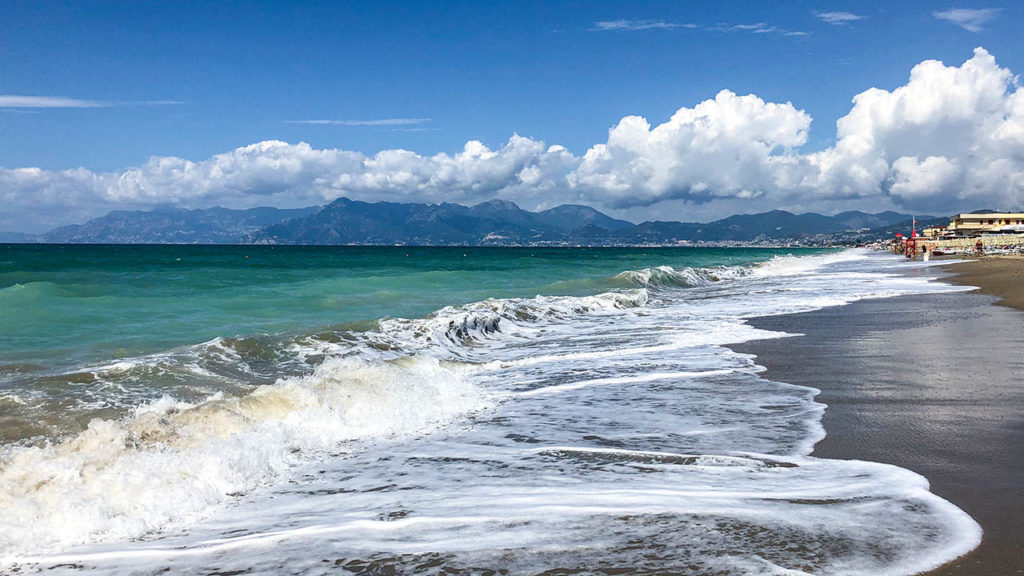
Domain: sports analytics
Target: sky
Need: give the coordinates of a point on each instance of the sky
(679, 110)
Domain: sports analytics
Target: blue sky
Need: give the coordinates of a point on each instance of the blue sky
(193, 80)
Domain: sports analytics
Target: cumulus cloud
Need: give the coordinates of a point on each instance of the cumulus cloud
(941, 137)
(913, 178)
(950, 138)
(730, 146)
(970, 19)
(278, 173)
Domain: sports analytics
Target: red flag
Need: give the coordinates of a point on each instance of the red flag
(913, 233)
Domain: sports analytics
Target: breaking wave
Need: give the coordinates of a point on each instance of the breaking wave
(171, 460)
(608, 430)
(778, 266)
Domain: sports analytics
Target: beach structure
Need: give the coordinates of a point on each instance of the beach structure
(975, 233)
(966, 225)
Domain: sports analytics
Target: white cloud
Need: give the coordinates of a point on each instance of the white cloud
(838, 18)
(966, 122)
(913, 178)
(277, 173)
(635, 25)
(756, 28)
(730, 146)
(970, 19)
(951, 138)
(380, 122)
(15, 101)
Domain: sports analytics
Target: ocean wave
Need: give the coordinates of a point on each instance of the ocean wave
(222, 427)
(667, 276)
(638, 422)
(690, 277)
(478, 322)
(172, 461)
(789, 265)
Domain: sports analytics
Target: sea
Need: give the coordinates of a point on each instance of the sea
(436, 411)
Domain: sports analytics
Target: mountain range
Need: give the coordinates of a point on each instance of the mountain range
(173, 226)
(496, 222)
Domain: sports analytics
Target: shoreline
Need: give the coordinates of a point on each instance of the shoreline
(1000, 276)
(923, 382)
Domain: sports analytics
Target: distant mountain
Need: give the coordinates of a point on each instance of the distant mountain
(173, 226)
(860, 220)
(570, 217)
(774, 226)
(17, 238)
(347, 221)
(493, 223)
(500, 222)
(905, 227)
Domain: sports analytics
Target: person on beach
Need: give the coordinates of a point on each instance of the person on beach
(979, 247)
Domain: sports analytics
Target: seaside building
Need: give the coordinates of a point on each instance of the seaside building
(983, 232)
(986, 223)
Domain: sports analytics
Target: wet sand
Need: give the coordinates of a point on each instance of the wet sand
(1001, 276)
(934, 384)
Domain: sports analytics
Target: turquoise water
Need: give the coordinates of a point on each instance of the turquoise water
(434, 411)
(67, 305)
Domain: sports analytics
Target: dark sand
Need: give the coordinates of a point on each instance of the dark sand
(934, 384)
(999, 276)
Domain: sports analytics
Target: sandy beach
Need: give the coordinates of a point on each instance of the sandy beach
(1000, 276)
(928, 383)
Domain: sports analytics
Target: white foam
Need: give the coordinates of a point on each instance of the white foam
(792, 265)
(618, 432)
(173, 461)
(648, 377)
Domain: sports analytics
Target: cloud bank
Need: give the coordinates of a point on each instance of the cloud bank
(951, 138)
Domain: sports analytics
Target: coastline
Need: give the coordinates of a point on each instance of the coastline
(929, 383)
(1000, 276)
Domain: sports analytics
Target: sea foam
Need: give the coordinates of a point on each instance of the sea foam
(172, 460)
(603, 432)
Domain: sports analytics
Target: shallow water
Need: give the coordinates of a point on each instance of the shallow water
(599, 427)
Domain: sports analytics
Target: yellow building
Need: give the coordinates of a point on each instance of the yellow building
(987, 223)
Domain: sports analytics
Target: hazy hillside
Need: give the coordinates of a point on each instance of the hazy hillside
(500, 222)
(497, 222)
(173, 226)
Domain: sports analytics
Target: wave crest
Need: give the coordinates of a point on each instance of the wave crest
(667, 276)
(171, 460)
(481, 321)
